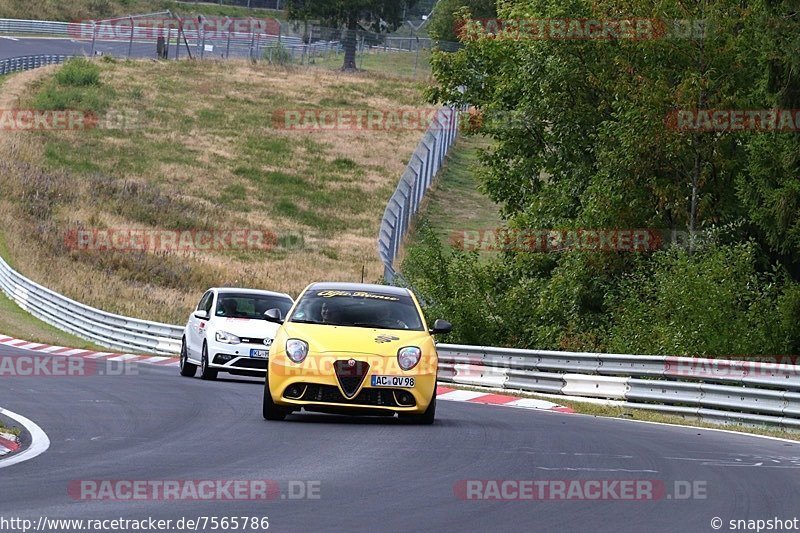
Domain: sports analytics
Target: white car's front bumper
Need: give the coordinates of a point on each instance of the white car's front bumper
(237, 357)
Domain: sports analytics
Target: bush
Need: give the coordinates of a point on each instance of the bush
(714, 302)
(55, 98)
(475, 295)
(717, 301)
(76, 86)
(278, 55)
(79, 73)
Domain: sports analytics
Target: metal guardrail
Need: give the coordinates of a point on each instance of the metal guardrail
(39, 27)
(425, 163)
(105, 329)
(716, 390)
(17, 64)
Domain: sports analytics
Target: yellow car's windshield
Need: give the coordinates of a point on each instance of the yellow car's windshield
(368, 309)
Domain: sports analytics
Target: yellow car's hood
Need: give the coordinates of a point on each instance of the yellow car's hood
(376, 341)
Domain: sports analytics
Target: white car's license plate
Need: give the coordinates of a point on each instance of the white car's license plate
(259, 354)
(392, 381)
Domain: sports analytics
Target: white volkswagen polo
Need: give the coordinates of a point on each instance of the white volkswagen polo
(228, 332)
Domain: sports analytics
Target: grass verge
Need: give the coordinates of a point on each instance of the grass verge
(12, 431)
(191, 146)
(398, 64)
(455, 203)
(18, 323)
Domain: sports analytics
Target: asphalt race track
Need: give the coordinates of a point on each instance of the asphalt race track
(372, 473)
(31, 46)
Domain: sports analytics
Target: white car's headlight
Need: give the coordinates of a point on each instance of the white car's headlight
(296, 350)
(408, 357)
(227, 338)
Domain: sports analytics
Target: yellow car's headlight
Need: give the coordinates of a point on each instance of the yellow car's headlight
(296, 350)
(408, 357)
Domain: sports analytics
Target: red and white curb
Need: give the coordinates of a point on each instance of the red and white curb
(39, 444)
(61, 351)
(8, 443)
(488, 398)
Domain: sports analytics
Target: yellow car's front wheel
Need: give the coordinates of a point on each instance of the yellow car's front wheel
(270, 410)
(425, 418)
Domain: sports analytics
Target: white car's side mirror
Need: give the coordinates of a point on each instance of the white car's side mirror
(274, 315)
(202, 315)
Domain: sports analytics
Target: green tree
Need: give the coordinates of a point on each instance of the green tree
(583, 140)
(352, 15)
(446, 20)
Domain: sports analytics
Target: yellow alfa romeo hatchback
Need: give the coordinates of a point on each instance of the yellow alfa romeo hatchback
(353, 349)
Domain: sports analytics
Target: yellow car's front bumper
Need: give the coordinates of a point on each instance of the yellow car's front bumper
(315, 384)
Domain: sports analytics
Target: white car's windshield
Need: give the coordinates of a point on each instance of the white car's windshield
(252, 306)
(367, 309)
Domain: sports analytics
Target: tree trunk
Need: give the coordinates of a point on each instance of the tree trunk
(350, 42)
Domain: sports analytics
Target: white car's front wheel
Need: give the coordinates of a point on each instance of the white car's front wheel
(187, 369)
(206, 372)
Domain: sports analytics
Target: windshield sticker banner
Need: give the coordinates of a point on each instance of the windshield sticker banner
(357, 294)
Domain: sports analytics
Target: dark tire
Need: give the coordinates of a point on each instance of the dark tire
(205, 372)
(188, 369)
(427, 418)
(269, 409)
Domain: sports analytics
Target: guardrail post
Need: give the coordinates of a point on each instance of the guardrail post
(228, 46)
(94, 37)
(130, 43)
(202, 42)
(178, 39)
(416, 60)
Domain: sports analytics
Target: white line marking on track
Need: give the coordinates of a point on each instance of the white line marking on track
(531, 403)
(31, 346)
(69, 353)
(460, 395)
(97, 355)
(39, 440)
(51, 349)
(124, 357)
(155, 359)
(597, 469)
(10, 38)
(16, 343)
